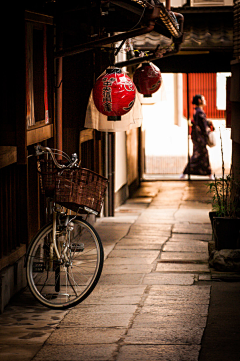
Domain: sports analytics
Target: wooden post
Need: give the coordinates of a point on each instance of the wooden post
(188, 116)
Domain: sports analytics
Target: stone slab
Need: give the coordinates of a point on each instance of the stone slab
(138, 200)
(157, 217)
(140, 245)
(131, 238)
(150, 227)
(146, 233)
(112, 300)
(185, 236)
(152, 214)
(24, 336)
(122, 279)
(192, 230)
(134, 203)
(185, 256)
(10, 352)
(165, 335)
(184, 308)
(132, 260)
(78, 352)
(117, 290)
(157, 278)
(127, 268)
(133, 253)
(81, 319)
(85, 336)
(115, 294)
(26, 325)
(110, 232)
(124, 218)
(188, 241)
(182, 267)
(174, 294)
(104, 308)
(148, 189)
(176, 300)
(160, 353)
(148, 320)
(188, 204)
(169, 207)
(196, 247)
(159, 220)
(192, 215)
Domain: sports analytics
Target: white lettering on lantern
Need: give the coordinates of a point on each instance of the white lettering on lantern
(107, 93)
(152, 73)
(129, 86)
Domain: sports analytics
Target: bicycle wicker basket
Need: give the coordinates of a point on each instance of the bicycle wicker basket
(47, 171)
(80, 187)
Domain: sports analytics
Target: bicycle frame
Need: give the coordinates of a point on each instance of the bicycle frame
(54, 234)
(63, 256)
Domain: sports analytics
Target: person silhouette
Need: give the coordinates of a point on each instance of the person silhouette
(199, 162)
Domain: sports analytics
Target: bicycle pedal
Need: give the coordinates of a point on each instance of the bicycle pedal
(77, 247)
(70, 226)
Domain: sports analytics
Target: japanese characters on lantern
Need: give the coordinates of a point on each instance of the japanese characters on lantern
(114, 94)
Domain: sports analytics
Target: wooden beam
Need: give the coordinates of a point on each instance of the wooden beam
(39, 134)
(8, 155)
(13, 257)
(85, 135)
(38, 18)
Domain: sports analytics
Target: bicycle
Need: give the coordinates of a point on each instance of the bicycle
(64, 261)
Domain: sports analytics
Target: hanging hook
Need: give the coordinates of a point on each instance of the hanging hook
(58, 86)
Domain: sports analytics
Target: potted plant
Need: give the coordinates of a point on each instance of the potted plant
(225, 215)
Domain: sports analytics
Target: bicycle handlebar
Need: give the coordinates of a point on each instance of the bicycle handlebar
(39, 149)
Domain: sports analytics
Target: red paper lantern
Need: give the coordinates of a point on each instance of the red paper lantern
(114, 94)
(147, 79)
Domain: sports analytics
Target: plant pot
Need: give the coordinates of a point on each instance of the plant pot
(211, 215)
(212, 243)
(226, 232)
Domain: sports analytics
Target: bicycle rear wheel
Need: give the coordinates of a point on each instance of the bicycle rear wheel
(62, 284)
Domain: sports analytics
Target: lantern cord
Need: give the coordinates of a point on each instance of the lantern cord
(123, 41)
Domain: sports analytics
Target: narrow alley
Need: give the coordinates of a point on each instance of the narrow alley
(153, 297)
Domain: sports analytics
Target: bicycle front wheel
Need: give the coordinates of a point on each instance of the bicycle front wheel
(63, 283)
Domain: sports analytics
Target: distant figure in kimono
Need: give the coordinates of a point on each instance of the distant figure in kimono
(199, 162)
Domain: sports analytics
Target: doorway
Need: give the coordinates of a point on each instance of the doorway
(165, 124)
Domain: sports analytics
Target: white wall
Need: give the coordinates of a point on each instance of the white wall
(120, 160)
(120, 143)
(177, 3)
(163, 136)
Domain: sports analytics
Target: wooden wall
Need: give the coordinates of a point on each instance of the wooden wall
(205, 84)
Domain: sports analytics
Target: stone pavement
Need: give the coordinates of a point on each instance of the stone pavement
(153, 297)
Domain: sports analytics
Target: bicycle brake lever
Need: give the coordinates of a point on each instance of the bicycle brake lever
(74, 156)
(38, 150)
(74, 160)
(74, 164)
